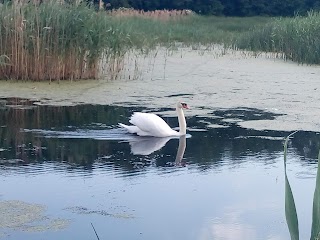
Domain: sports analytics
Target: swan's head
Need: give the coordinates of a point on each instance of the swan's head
(182, 105)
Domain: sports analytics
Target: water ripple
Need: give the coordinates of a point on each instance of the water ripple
(106, 134)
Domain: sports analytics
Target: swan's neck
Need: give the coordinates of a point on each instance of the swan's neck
(182, 122)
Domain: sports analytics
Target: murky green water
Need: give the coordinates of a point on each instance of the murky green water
(63, 168)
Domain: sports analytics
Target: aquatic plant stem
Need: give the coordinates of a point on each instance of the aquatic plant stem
(95, 231)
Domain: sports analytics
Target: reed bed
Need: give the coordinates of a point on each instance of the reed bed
(163, 15)
(296, 39)
(52, 41)
(190, 30)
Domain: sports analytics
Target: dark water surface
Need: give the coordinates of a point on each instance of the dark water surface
(217, 183)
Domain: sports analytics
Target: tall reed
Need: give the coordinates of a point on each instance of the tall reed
(297, 38)
(55, 41)
(156, 14)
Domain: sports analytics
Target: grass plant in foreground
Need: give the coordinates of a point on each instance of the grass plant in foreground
(290, 207)
(296, 38)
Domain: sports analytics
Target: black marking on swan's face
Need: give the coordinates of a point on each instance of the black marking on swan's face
(184, 105)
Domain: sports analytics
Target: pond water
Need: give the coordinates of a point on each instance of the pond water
(67, 170)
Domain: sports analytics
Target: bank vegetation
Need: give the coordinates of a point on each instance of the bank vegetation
(54, 41)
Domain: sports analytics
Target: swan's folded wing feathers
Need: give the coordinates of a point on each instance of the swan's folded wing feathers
(146, 121)
(150, 123)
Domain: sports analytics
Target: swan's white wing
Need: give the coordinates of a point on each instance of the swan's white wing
(151, 125)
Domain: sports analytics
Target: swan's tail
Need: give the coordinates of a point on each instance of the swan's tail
(122, 125)
(130, 129)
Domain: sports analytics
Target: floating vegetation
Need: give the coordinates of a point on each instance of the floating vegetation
(18, 215)
(84, 210)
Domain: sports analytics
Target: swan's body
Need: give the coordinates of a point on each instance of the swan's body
(149, 124)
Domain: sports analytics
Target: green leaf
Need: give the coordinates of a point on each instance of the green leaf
(315, 230)
(290, 207)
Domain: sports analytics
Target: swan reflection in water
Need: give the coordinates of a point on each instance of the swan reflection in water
(147, 145)
(181, 150)
(139, 145)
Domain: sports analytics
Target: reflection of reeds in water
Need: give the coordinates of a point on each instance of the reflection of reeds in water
(290, 207)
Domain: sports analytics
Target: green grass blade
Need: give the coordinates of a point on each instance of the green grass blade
(315, 230)
(290, 207)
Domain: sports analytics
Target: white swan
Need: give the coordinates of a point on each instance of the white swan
(149, 124)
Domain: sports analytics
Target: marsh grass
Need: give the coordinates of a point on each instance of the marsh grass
(296, 38)
(162, 15)
(52, 41)
(189, 30)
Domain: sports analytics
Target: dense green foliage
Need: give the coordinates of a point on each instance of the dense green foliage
(223, 7)
(297, 38)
